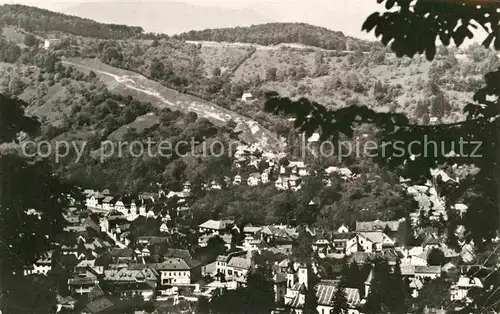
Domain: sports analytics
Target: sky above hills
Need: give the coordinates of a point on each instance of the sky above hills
(179, 16)
(172, 17)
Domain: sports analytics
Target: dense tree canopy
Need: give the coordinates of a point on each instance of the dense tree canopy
(276, 33)
(32, 201)
(409, 28)
(39, 20)
(481, 124)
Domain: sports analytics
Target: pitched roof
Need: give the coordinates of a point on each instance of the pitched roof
(285, 233)
(121, 252)
(373, 236)
(80, 281)
(343, 236)
(239, 262)
(214, 224)
(96, 292)
(129, 274)
(107, 199)
(173, 264)
(467, 282)
(407, 270)
(428, 269)
(325, 292)
(250, 229)
(91, 223)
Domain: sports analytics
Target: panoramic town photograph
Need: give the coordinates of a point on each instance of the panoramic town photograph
(250, 157)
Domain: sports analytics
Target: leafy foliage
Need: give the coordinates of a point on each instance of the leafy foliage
(256, 297)
(436, 257)
(340, 302)
(26, 185)
(414, 28)
(481, 126)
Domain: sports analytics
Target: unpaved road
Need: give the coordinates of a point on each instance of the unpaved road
(163, 97)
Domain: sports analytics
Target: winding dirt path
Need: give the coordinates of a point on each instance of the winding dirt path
(252, 131)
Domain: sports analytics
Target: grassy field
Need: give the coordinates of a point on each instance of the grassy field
(224, 57)
(129, 83)
(283, 60)
(15, 35)
(140, 124)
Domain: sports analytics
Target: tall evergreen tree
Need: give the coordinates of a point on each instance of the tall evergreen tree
(257, 297)
(379, 299)
(340, 302)
(397, 291)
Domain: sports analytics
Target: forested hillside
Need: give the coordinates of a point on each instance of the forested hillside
(77, 105)
(41, 21)
(277, 33)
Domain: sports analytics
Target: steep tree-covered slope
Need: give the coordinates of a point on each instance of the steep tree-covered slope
(39, 20)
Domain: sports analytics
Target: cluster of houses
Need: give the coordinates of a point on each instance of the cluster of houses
(109, 260)
(428, 198)
(106, 265)
(285, 175)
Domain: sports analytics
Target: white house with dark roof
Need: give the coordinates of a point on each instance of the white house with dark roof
(41, 267)
(94, 199)
(247, 97)
(416, 256)
(215, 226)
(428, 272)
(343, 229)
(164, 228)
(265, 177)
(281, 183)
(254, 179)
(107, 203)
(369, 242)
(294, 182)
(237, 180)
(297, 285)
(238, 267)
(177, 271)
(461, 288)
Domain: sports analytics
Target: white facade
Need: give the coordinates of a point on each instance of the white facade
(175, 277)
(38, 269)
(265, 178)
(237, 180)
(92, 202)
(246, 97)
(460, 290)
(325, 309)
(253, 181)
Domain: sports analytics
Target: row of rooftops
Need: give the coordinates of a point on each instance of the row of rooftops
(238, 262)
(131, 272)
(105, 197)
